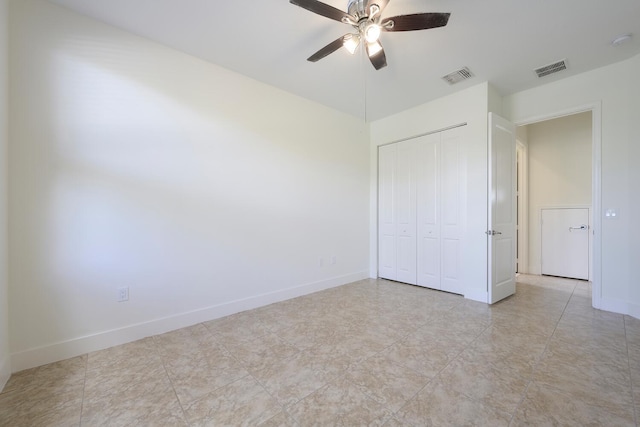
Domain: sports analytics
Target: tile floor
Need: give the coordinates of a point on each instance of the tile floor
(368, 353)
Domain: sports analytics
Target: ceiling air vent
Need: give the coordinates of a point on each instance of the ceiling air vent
(551, 68)
(458, 76)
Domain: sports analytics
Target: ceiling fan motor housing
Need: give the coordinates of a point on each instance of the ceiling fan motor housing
(358, 9)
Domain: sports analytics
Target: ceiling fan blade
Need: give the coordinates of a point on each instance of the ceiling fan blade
(321, 9)
(378, 59)
(328, 49)
(416, 21)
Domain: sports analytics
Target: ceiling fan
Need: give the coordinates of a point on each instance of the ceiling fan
(366, 17)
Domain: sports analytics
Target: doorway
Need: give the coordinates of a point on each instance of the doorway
(558, 165)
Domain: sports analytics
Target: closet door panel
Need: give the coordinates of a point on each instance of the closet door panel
(387, 212)
(421, 211)
(450, 265)
(406, 212)
(427, 211)
(450, 224)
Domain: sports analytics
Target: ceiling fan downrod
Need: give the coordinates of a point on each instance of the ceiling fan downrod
(358, 9)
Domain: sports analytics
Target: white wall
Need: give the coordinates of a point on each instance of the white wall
(522, 135)
(5, 368)
(619, 172)
(135, 165)
(469, 106)
(633, 159)
(559, 171)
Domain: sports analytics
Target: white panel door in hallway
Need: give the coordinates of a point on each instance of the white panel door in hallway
(565, 242)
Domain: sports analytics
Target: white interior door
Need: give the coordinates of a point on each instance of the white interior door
(428, 211)
(450, 210)
(387, 212)
(565, 243)
(406, 212)
(420, 214)
(502, 209)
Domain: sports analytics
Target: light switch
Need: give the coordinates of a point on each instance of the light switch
(611, 213)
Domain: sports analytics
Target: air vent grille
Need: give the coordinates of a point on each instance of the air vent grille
(551, 68)
(458, 76)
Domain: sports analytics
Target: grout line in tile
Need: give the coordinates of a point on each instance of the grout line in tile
(84, 386)
(441, 370)
(633, 399)
(394, 340)
(535, 367)
(156, 346)
(250, 374)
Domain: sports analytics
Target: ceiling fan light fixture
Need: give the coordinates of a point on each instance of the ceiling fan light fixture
(374, 10)
(374, 48)
(349, 21)
(351, 42)
(372, 32)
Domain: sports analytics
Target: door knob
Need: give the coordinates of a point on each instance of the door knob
(582, 227)
(492, 232)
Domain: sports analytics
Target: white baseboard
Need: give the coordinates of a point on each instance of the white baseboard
(617, 306)
(634, 310)
(82, 345)
(477, 295)
(5, 372)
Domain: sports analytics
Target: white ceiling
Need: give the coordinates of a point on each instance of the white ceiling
(501, 41)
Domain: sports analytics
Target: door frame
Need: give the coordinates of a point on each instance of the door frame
(596, 186)
(522, 240)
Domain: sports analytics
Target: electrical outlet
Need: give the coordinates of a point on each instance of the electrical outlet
(123, 294)
(321, 263)
(333, 259)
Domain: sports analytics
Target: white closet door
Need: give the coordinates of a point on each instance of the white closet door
(387, 212)
(405, 189)
(450, 210)
(420, 211)
(428, 211)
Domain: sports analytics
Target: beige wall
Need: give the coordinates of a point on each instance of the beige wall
(559, 165)
(203, 191)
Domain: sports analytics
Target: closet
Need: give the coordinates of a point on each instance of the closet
(420, 210)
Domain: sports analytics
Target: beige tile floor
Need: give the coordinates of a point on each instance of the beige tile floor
(368, 353)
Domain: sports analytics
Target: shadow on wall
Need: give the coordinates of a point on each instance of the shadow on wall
(138, 166)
